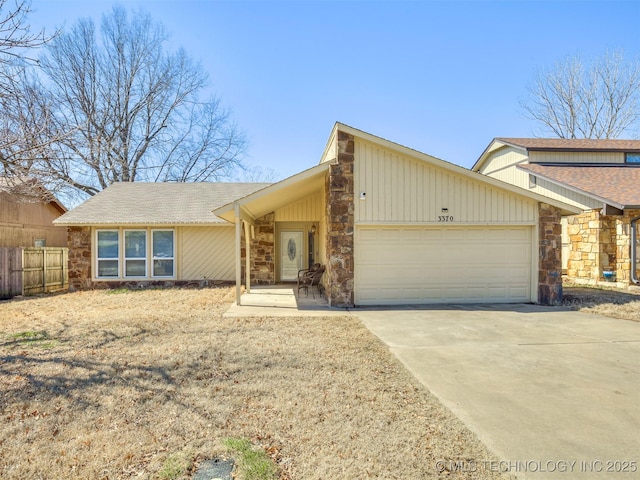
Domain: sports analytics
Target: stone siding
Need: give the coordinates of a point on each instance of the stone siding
(622, 266)
(79, 243)
(550, 255)
(263, 269)
(600, 243)
(340, 225)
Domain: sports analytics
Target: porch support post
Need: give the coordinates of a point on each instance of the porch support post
(247, 259)
(238, 254)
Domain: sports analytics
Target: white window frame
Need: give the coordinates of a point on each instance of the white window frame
(173, 253)
(116, 258)
(145, 258)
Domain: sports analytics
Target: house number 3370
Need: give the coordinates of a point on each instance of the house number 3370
(445, 218)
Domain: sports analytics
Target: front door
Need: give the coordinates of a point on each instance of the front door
(291, 251)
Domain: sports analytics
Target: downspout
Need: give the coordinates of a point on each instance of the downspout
(634, 235)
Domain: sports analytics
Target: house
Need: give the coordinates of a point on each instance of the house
(27, 212)
(392, 226)
(601, 177)
(152, 233)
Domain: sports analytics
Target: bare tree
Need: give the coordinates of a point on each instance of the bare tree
(21, 118)
(123, 109)
(600, 99)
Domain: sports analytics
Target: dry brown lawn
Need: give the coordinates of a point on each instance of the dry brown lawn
(110, 385)
(623, 304)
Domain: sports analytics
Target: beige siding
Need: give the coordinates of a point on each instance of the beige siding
(557, 192)
(576, 157)
(206, 253)
(308, 209)
(331, 151)
(502, 165)
(402, 189)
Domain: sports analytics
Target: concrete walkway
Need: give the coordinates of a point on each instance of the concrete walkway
(282, 301)
(552, 393)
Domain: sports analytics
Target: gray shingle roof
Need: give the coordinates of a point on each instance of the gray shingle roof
(139, 203)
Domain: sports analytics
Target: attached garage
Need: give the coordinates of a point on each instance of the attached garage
(421, 265)
(394, 226)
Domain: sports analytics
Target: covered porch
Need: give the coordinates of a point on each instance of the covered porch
(279, 230)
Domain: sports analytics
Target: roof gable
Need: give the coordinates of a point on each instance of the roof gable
(455, 169)
(142, 203)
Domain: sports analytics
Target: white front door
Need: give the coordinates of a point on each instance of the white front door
(291, 254)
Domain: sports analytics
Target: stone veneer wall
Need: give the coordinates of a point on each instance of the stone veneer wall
(550, 255)
(263, 270)
(592, 249)
(600, 243)
(340, 225)
(79, 243)
(622, 244)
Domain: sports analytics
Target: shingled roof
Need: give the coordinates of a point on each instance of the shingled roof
(576, 144)
(615, 184)
(139, 203)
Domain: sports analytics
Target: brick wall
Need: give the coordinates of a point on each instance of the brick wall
(340, 225)
(550, 255)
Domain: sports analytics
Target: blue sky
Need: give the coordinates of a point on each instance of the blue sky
(440, 77)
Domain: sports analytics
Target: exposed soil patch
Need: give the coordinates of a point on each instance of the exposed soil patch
(111, 385)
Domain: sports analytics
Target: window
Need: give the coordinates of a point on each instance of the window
(162, 253)
(108, 253)
(40, 242)
(632, 157)
(135, 253)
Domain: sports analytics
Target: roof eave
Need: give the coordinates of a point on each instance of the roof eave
(565, 207)
(227, 212)
(574, 189)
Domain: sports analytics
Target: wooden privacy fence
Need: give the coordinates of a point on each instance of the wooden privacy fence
(28, 271)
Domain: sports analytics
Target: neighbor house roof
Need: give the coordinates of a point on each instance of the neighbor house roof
(576, 144)
(616, 185)
(31, 190)
(558, 145)
(139, 203)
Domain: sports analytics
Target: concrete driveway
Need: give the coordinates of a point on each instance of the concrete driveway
(552, 393)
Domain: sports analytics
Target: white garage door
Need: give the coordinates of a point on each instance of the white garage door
(442, 265)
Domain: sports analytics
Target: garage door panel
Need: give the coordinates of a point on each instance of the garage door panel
(436, 265)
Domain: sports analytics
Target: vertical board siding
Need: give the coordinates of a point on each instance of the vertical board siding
(23, 220)
(308, 209)
(207, 253)
(576, 157)
(503, 165)
(403, 189)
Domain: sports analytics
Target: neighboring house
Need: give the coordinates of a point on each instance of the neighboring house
(601, 177)
(391, 225)
(27, 212)
(152, 233)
